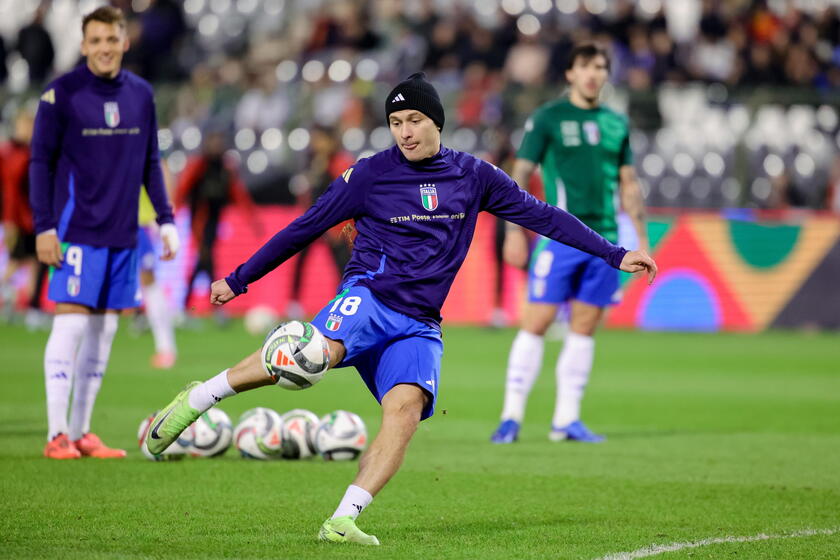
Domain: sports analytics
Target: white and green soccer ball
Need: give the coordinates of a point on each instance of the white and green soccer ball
(257, 434)
(298, 433)
(340, 436)
(295, 355)
(178, 449)
(210, 435)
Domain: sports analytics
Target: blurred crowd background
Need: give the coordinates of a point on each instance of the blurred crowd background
(733, 103)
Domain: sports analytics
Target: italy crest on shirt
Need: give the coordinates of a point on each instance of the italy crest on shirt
(429, 197)
(112, 114)
(334, 322)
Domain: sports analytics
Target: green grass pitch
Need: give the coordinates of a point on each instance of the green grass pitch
(710, 436)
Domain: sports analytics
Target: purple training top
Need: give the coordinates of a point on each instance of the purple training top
(94, 145)
(415, 222)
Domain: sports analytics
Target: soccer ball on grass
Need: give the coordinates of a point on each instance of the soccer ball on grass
(298, 431)
(257, 434)
(210, 435)
(340, 436)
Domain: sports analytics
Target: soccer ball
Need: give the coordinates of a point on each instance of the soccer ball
(297, 433)
(210, 435)
(295, 355)
(178, 449)
(340, 436)
(259, 319)
(257, 434)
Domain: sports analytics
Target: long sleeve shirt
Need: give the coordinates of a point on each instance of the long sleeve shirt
(415, 223)
(94, 145)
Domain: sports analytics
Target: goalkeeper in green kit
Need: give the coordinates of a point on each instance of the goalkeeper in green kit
(583, 150)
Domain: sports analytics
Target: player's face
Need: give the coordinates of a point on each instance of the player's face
(104, 45)
(416, 134)
(587, 76)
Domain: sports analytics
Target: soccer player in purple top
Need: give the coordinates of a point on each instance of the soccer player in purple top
(415, 207)
(94, 145)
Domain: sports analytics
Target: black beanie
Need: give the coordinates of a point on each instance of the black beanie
(415, 93)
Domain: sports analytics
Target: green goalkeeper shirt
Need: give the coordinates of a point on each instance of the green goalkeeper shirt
(580, 152)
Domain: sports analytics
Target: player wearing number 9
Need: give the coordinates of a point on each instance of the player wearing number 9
(94, 146)
(415, 207)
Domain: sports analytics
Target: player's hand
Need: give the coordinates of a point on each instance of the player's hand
(515, 248)
(48, 248)
(171, 241)
(220, 292)
(639, 261)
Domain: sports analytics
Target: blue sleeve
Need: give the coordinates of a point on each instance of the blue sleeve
(46, 143)
(152, 174)
(344, 199)
(504, 198)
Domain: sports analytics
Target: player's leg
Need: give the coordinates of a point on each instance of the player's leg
(68, 329)
(8, 293)
(402, 408)
(91, 364)
(548, 286)
(573, 368)
(76, 287)
(119, 290)
(160, 321)
(523, 368)
(597, 288)
(157, 309)
(405, 378)
(199, 396)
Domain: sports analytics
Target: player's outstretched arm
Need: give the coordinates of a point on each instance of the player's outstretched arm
(639, 261)
(220, 292)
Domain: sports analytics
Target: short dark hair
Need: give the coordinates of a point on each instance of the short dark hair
(104, 14)
(587, 51)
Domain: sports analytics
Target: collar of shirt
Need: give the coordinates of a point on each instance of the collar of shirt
(105, 84)
(436, 162)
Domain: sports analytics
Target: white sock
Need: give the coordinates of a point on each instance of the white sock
(524, 365)
(160, 319)
(59, 361)
(573, 367)
(355, 500)
(91, 363)
(210, 392)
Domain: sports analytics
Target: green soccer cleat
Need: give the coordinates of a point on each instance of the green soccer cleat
(344, 530)
(171, 421)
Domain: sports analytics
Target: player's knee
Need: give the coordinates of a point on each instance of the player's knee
(405, 402)
(536, 324)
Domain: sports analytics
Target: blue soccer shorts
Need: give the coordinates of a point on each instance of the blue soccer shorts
(145, 250)
(559, 273)
(386, 347)
(97, 277)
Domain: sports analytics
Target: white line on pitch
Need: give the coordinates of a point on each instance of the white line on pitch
(656, 549)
